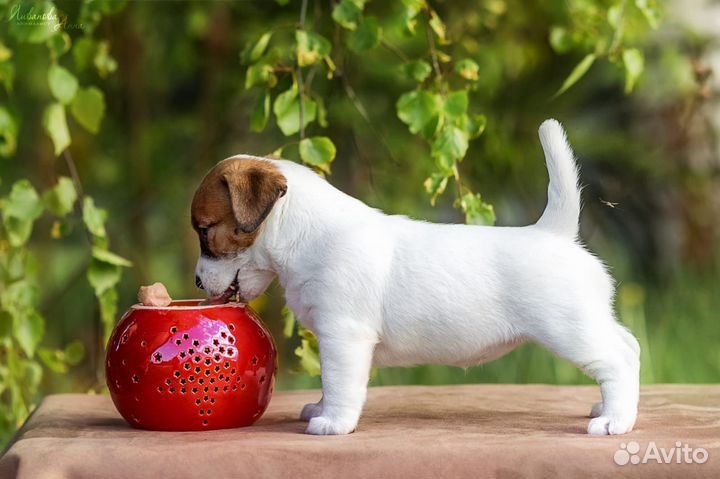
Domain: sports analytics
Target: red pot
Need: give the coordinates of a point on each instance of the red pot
(188, 367)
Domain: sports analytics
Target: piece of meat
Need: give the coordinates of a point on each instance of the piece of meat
(154, 295)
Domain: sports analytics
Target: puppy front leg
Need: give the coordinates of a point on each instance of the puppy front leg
(345, 372)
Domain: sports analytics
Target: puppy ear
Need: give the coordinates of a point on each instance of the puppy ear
(253, 192)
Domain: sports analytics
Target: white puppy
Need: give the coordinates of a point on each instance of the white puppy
(381, 290)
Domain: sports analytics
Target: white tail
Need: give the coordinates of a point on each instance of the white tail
(562, 212)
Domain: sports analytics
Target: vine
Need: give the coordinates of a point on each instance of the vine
(22, 326)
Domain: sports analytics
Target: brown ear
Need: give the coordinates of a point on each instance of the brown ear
(253, 192)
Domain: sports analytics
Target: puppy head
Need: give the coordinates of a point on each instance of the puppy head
(228, 211)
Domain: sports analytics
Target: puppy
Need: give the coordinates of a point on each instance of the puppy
(381, 290)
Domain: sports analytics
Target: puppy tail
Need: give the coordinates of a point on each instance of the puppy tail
(562, 212)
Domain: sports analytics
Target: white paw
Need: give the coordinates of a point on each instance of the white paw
(611, 425)
(323, 426)
(310, 411)
(597, 409)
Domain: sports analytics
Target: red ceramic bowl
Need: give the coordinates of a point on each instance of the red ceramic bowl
(188, 367)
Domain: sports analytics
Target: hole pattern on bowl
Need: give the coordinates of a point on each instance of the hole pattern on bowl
(212, 345)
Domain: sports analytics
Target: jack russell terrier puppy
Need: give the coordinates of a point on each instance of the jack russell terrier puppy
(382, 290)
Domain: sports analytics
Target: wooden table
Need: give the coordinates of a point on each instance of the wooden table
(476, 431)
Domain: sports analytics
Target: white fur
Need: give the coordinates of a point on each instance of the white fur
(389, 291)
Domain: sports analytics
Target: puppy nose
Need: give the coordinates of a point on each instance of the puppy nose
(198, 282)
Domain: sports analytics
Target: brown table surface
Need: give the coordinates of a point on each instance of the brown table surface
(505, 431)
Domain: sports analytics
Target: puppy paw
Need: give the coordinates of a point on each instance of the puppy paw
(310, 411)
(610, 425)
(596, 410)
(323, 426)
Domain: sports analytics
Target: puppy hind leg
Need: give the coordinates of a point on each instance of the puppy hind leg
(631, 355)
(609, 354)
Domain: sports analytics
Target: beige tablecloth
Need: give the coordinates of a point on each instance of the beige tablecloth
(504, 431)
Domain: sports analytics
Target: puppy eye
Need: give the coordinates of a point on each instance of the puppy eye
(203, 232)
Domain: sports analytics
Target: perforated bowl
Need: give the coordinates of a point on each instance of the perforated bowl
(188, 367)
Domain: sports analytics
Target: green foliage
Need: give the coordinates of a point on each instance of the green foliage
(88, 108)
(55, 124)
(22, 326)
(60, 199)
(8, 133)
(603, 36)
(318, 151)
(577, 73)
(367, 36)
(63, 84)
(287, 111)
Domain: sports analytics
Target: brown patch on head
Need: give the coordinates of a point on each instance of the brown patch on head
(232, 202)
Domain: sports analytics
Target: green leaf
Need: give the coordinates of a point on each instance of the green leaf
(94, 218)
(74, 352)
(561, 40)
(5, 52)
(348, 13)
(321, 112)
(577, 73)
(615, 16)
(417, 109)
(20, 210)
(260, 113)
(7, 75)
(260, 74)
(108, 310)
(8, 133)
(650, 11)
(59, 44)
(456, 104)
(311, 47)
(55, 124)
(63, 84)
(418, 70)
(474, 125)
(60, 199)
(88, 108)
(367, 35)
(438, 27)
(253, 51)
(287, 111)
(103, 276)
(103, 61)
(288, 321)
(477, 212)
(84, 52)
(468, 69)
(19, 297)
(435, 186)
(28, 329)
(109, 257)
(308, 352)
(318, 151)
(450, 146)
(634, 63)
(6, 322)
(53, 359)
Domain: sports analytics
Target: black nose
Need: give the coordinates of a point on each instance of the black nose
(198, 282)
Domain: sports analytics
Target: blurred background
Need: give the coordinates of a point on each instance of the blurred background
(158, 92)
